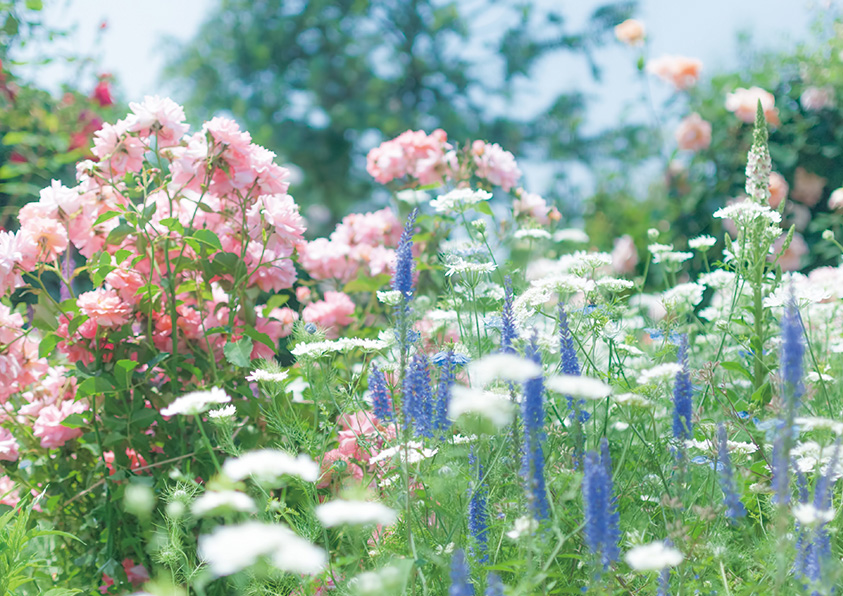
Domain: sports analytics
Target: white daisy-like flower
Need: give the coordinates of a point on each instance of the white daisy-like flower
(267, 376)
(532, 234)
(656, 248)
(391, 297)
(703, 242)
(503, 367)
(266, 466)
(633, 399)
(808, 515)
(226, 500)
(571, 235)
(577, 386)
(683, 296)
(659, 373)
(339, 512)
(459, 199)
(412, 197)
(460, 266)
(809, 423)
(229, 549)
(522, 527)
(317, 349)
(673, 257)
(747, 212)
(227, 412)
(653, 557)
(412, 453)
(718, 279)
(498, 409)
(614, 284)
(196, 402)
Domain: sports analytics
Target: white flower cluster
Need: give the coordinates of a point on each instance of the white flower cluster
(317, 349)
(458, 200)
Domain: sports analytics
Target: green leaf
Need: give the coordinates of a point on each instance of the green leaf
(106, 216)
(123, 371)
(239, 353)
(736, 367)
(116, 235)
(74, 421)
(38, 5)
(48, 344)
(261, 337)
(209, 238)
(275, 301)
(94, 386)
(483, 207)
(367, 284)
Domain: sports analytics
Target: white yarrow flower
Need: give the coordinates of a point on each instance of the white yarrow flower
(340, 511)
(659, 373)
(523, 525)
(267, 376)
(702, 243)
(577, 386)
(227, 500)
(808, 515)
(653, 557)
(196, 402)
(229, 549)
(502, 367)
(226, 412)
(459, 199)
(532, 234)
(498, 409)
(266, 466)
(391, 297)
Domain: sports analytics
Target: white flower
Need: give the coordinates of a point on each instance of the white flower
(577, 386)
(317, 349)
(497, 408)
(196, 402)
(659, 373)
(571, 235)
(683, 296)
(628, 349)
(657, 249)
(733, 446)
(461, 266)
(614, 284)
(620, 426)
(814, 377)
(459, 199)
(265, 375)
(717, 279)
(809, 423)
(522, 526)
(504, 367)
(633, 399)
(391, 298)
(412, 453)
(230, 500)
(267, 465)
(226, 412)
(412, 197)
(653, 557)
(229, 549)
(747, 211)
(808, 515)
(673, 256)
(702, 242)
(340, 511)
(533, 234)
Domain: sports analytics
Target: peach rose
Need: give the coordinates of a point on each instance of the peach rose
(835, 201)
(630, 32)
(807, 187)
(682, 71)
(791, 259)
(744, 103)
(778, 189)
(693, 133)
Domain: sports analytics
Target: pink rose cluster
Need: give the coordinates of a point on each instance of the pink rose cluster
(421, 159)
(361, 436)
(331, 314)
(361, 241)
(412, 154)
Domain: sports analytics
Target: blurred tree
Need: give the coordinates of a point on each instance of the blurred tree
(321, 82)
(41, 136)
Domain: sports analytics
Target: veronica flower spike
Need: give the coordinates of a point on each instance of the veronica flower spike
(532, 463)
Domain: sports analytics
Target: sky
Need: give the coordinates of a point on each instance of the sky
(129, 39)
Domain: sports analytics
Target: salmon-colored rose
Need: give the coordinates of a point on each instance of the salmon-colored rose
(682, 71)
(630, 32)
(693, 133)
